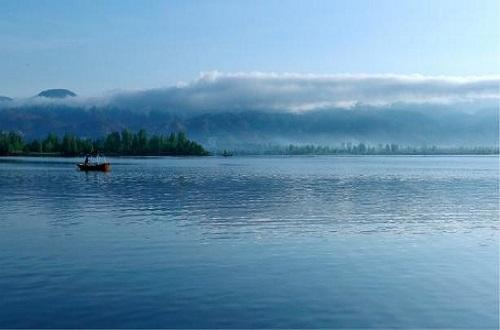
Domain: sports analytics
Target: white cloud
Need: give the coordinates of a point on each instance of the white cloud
(289, 92)
(302, 92)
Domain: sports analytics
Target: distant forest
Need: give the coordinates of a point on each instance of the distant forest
(116, 143)
(365, 149)
(128, 143)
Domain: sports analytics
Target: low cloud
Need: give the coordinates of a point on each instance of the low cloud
(215, 91)
(303, 92)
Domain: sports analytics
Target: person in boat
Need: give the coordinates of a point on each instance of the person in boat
(93, 163)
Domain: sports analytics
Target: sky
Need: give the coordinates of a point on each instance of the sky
(93, 47)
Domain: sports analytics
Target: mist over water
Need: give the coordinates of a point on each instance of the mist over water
(250, 242)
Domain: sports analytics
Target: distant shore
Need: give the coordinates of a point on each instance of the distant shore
(125, 143)
(52, 154)
(140, 143)
(371, 154)
(38, 155)
(362, 149)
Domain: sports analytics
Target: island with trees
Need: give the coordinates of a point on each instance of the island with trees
(125, 143)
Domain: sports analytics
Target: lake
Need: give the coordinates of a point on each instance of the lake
(250, 242)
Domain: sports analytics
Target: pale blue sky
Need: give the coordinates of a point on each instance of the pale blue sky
(97, 46)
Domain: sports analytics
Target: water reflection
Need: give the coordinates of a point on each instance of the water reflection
(312, 197)
(406, 242)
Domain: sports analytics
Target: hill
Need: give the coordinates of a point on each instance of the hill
(57, 93)
(427, 125)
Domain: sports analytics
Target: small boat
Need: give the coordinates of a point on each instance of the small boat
(102, 167)
(227, 153)
(95, 163)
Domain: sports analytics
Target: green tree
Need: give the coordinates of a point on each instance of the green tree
(51, 143)
(113, 143)
(68, 145)
(126, 141)
(142, 141)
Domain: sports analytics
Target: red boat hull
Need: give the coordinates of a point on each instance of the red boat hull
(104, 167)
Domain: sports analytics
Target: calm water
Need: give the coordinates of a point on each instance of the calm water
(250, 242)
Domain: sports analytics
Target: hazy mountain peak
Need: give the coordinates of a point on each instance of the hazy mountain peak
(57, 93)
(5, 98)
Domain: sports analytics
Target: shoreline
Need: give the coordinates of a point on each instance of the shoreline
(53, 155)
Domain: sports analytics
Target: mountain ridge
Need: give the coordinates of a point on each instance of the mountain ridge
(240, 128)
(56, 93)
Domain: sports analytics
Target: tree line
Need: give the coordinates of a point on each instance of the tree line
(366, 149)
(115, 143)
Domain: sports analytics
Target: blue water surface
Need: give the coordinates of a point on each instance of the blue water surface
(250, 242)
